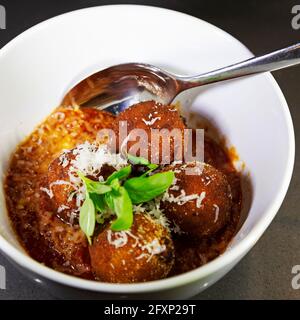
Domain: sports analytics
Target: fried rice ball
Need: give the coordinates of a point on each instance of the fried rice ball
(199, 202)
(143, 253)
(150, 115)
(62, 190)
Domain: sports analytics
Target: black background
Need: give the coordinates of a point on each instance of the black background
(265, 273)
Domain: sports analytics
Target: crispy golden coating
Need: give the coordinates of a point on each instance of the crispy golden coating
(43, 235)
(64, 247)
(61, 192)
(144, 253)
(150, 115)
(61, 188)
(198, 203)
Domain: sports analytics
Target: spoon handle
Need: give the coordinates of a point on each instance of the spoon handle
(269, 62)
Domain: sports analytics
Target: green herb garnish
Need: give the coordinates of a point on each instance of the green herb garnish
(123, 209)
(143, 189)
(137, 160)
(141, 161)
(117, 195)
(121, 174)
(94, 186)
(87, 218)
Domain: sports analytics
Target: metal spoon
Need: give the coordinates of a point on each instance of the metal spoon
(121, 86)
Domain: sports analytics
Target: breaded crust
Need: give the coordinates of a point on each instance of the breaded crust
(151, 115)
(58, 173)
(132, 261)
(209, 210)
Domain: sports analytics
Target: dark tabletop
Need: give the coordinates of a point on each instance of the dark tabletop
(265, 273)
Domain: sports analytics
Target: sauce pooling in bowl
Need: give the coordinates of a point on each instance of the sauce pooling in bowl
(51, 234)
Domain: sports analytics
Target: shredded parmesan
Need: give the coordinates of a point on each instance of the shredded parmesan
(152, 248)
(73, 215)
(152, 208)
(62, 208)
(183, 198)
(48, 191)
(151, 122)
(57, 182)
(217, 210)
(88, 159)
(120, 238)
(200, 199)
(64, 162)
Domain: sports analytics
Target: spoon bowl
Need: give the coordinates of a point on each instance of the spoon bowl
(118, 87)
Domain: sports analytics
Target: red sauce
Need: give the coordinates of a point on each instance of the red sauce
(63, 247)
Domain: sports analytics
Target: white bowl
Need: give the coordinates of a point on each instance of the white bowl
(40, 65)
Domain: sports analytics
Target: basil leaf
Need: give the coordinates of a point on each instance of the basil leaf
(98, 188)
(137, 160)
(152, 166)
(142, 161)
(115, 185)
(123, 209)
(109, 200)
(87, 218)
(121, 174)
(94, 186)
(143, 189)
(99, 202)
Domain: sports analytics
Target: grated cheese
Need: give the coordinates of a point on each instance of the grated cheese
(151, 122)
(183, 198)
(48, 191)
(152, 248)
(64, 161)
(88, 159)
(152, 209)
(174, 188)
(200, 199)
(216, 213)
(121, 238)
(57, 182)
(62, 208)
